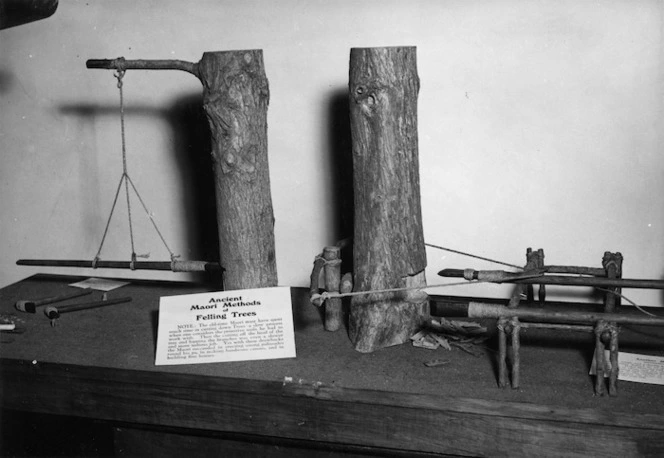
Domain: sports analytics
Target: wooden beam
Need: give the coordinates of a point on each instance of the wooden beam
(398, 421)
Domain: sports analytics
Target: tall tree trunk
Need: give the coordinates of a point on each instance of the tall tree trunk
(235, 99)
(388, 244)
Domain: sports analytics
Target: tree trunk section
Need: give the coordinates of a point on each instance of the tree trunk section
(236, 97)
(389, 242)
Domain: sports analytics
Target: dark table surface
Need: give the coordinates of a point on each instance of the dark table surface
(554, 367)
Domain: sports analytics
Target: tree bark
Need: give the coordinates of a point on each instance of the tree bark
(389, 247)
(236, 97)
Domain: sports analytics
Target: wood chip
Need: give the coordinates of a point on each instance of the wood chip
(442, 341)
(436, 362)
(427, 343)
(467, 324)
(418, 335)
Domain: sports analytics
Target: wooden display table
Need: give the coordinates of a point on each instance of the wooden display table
(99, 365)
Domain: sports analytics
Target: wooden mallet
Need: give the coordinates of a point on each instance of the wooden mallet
(30, 306)
(54, 313)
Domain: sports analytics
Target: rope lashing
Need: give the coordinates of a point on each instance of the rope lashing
(327, 262)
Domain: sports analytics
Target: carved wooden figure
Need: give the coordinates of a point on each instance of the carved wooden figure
(388, 238)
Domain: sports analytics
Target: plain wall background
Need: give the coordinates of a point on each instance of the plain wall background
(540, 124)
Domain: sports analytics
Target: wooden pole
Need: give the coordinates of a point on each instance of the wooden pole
(503, 328)
(175, 266)
(499, 276)
(487, 310)
(388, 242)
(235, 98)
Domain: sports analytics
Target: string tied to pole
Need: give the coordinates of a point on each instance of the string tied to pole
(319, 298)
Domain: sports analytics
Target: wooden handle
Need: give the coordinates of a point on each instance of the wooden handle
(176, 266)
(142, 64)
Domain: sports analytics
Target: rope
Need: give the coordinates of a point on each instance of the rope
(154, 223)
(638, 307)
(474, 256)
(108, 223)
(331, 295)
(119, 74)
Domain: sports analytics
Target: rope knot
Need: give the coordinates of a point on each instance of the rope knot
(318, 299)
(120, 69)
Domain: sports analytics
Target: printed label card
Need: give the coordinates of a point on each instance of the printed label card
(225, 326)
(634, 367)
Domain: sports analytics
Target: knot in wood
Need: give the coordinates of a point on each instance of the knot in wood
(369, 97)
(241, 162)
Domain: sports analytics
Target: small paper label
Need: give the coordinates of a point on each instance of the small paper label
(635, 368)
(225, 326)
(101, 284)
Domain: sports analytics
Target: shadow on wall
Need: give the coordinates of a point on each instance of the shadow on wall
(191, 152)
(7, 80)
(341, 165)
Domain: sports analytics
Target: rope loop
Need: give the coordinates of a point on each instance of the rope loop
(601, 327)
(174, 260)
(119, 74)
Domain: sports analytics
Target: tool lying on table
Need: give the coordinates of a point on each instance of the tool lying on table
(30, 306)
(54, 313)
(10, 325)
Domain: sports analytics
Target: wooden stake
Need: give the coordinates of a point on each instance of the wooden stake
(516, 353)
(503, 327)
(600, 365)
(332, 272)
(388, 243)
(613, 355)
